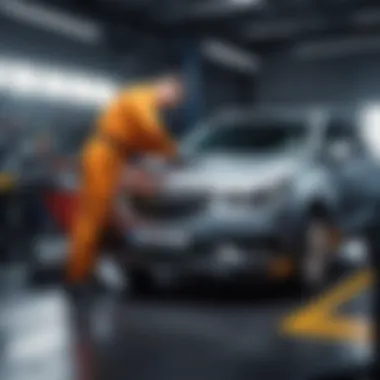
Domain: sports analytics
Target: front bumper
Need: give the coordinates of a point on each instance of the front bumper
(224, 247)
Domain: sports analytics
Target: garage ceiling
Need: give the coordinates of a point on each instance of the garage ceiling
(261, 25)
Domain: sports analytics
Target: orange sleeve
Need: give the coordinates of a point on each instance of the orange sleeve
(158, 141)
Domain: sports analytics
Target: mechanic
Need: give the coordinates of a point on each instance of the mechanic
(129, 125)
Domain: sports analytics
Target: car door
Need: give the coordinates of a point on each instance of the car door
(347, 165)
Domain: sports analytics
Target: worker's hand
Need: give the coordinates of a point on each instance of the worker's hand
(137, 182)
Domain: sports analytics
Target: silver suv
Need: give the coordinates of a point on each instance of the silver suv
(256, 193)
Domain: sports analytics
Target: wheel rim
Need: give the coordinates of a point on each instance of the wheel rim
(315, 260)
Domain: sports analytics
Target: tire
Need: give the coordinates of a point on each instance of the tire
(315, 259)
(141, 283)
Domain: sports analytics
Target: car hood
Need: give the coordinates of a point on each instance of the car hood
(226, 173)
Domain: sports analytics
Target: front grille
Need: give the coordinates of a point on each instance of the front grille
(168, 208)
(247, 244)
(261, 242)
(256, 199)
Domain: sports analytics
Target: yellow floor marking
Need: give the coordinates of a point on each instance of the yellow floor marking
(319, 319)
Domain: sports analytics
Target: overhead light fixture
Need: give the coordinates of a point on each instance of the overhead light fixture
(230, 56)
(55, 86)
(54, 20)
(23, 80)
(20, 78)
(245, 2)
(222, 7)
(105, 92)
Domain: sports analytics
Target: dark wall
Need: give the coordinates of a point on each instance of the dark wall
(338, 81)
(224, 87)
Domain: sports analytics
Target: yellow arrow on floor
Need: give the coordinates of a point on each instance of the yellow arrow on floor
(319, 319)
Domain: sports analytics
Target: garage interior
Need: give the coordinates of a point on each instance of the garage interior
(233, 55)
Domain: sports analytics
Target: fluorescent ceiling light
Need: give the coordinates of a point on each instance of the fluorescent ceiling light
(21, 78)
(245, 2)
(53, 20)
(221, 7)
(55, 85)
(230, 56)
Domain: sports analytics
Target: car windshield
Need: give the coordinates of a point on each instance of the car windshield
(247, 138)
(70, 142)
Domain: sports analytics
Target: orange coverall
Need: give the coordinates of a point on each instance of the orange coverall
(128, 126)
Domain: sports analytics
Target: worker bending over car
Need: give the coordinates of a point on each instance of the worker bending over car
(129, 125)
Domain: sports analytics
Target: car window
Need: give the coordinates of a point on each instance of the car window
(71, 142)
(340, 131)
(250, 137)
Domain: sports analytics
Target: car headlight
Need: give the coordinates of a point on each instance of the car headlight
(142, 184)
(257, 197)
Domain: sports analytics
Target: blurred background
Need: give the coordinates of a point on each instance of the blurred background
(256, 258)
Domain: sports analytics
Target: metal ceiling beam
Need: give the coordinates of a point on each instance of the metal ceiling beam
(174, 11)
(337, 47)
(177, 11)
(126, 4)
(54, 20)
(225, 7)
(285, 27)
(293, 27)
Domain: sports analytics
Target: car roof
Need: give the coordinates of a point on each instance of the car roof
(267, 115)
(337, 115)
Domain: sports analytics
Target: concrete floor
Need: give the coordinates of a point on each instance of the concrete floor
(177, 337)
